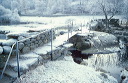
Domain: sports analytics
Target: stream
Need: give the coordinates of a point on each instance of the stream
(112, 63)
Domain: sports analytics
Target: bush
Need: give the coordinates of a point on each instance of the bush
(8, 17)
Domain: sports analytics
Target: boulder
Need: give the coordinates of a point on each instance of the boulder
(62, 32)
(97, 26)
(21, 38)
(21, 45)
(9, 42)
(27, 41)
(6, 49)
(26, 49)
(32, 40)
(98, 43)
(1, 50)
(38, 37)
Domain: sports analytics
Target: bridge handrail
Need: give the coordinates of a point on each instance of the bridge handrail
(7, 61)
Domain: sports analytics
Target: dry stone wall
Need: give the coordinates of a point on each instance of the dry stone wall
(34, 40)
(27, 42)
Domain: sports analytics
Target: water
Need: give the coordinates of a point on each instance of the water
(108, 62)
(99, 60)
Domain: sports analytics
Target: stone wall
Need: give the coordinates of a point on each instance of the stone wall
(27, 42)
(35, 39)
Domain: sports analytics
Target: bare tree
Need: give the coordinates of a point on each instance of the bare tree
(125, 11)
(109, 10)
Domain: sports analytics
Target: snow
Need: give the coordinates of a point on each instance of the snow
(42, 23)
(60, 72)
(25, 60)
(68, 45)
(43, 50)
(60, 40)
(68, 71)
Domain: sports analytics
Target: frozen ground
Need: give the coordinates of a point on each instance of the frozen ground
(65, 71)
(46, 22)
(41, 23)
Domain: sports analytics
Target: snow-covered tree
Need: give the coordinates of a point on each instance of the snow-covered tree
(108, 9)
(7, 16)
(14, 5)
(125, 10)
(50, 7)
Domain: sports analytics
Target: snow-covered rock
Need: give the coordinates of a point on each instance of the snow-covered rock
(26, 49)
(1, 50)
(26, 62)
(6, 49)
(9, 42)
(21, 45)
(124, 75)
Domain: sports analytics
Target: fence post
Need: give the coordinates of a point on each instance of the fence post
(51, 44)
(68, 33)
(6, 62)
(81, 27)
(17, 56)
(72, 27)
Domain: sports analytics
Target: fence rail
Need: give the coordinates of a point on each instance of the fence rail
(17, 48)
(7, 61)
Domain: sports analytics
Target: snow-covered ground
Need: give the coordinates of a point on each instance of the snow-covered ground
(65, 71)
(68, 72)
(40, 23)
(46, 22)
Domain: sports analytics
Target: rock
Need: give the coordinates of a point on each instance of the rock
(32, 47)
(21, 38)
(45, 40)
(104, 75)
(28, 45)
(36, 45)
(36, 42)
(32, 44)
(97, 26)
(84, 63)
(33, 40)
(99, 42)
(42, 36)
(125, 34)
(1, 50)
(21, 45)
(1, 43)
(38, 37)
(27, 41)
(42, 44)
(40, 41)
(62, 32)
(26, 49)
(9, 42)
(6, 49)
(2, 60)
(77, 60)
